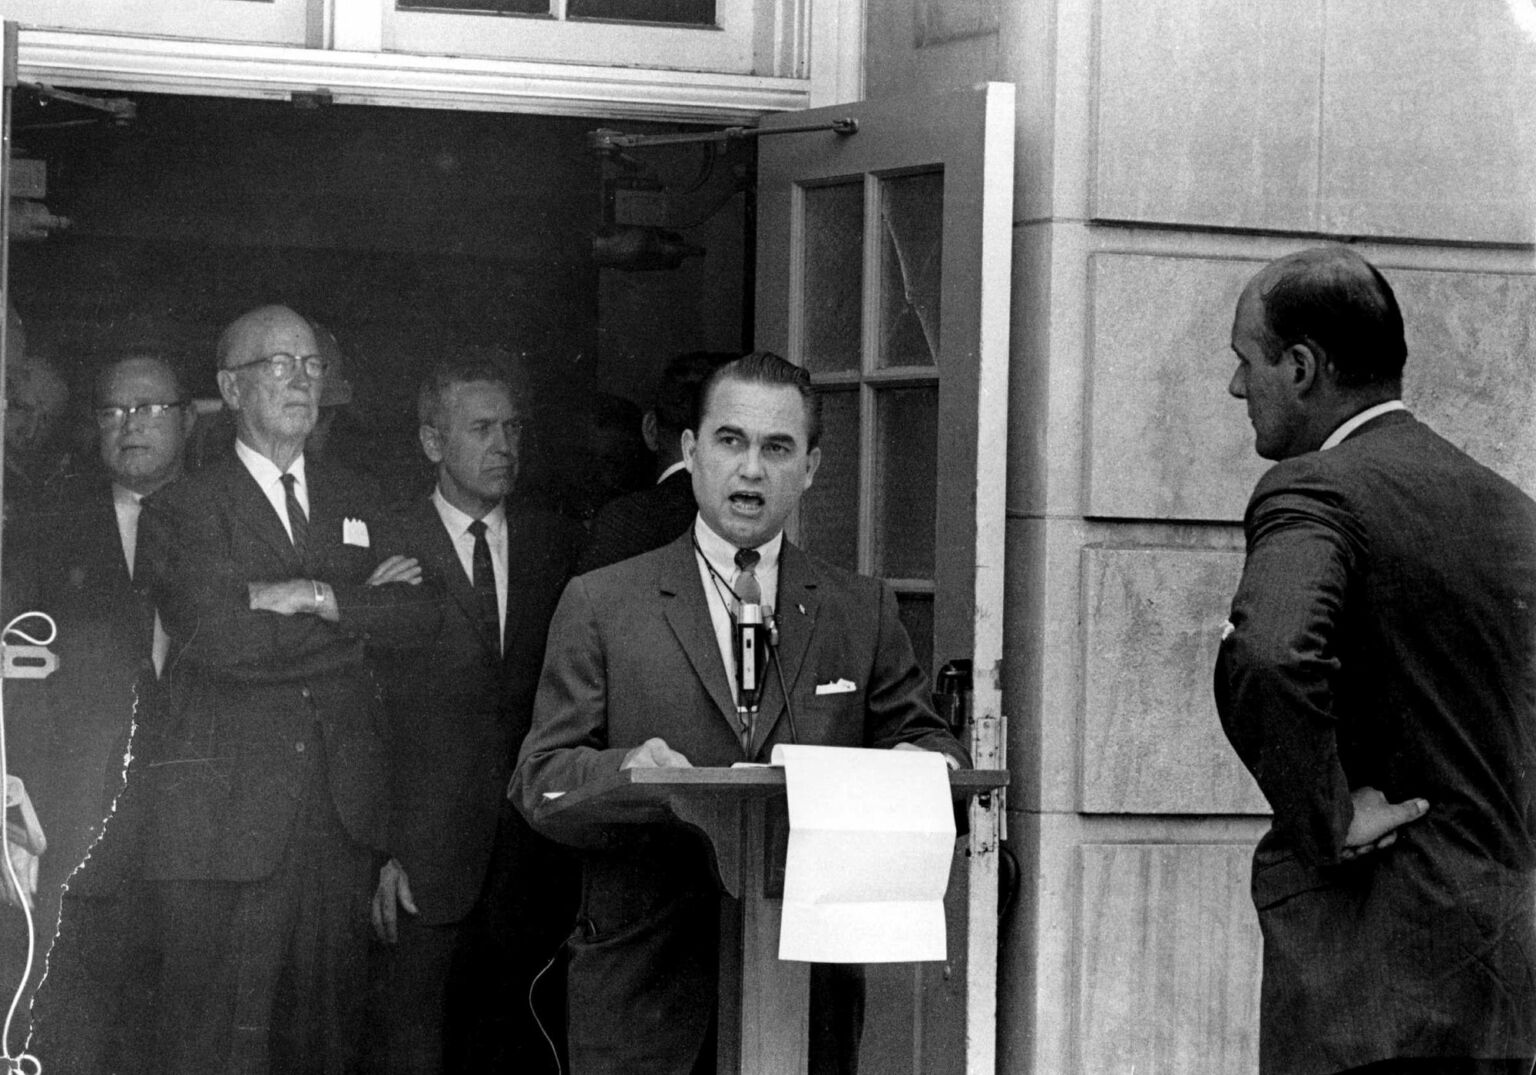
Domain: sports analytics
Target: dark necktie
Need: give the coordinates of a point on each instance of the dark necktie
(298, 522)
(748, 592)
(483, 578)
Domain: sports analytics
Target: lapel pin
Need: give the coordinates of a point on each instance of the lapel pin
(801, 608)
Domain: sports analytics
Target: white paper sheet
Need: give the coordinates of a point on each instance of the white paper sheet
(871, 836)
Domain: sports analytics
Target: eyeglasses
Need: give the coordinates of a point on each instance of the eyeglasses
(282, 367)
(108, 417)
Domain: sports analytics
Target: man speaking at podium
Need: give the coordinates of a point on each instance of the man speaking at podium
(660, 661)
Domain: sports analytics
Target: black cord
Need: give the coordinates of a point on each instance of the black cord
(789, 707)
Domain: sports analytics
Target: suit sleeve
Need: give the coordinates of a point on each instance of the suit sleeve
(1276, 668)
(567, 746)
(900, 707)
(201, 591)
(396, 616)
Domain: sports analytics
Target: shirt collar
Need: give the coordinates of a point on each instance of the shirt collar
(122, 496)
(673, 469)
(1352, 424)
(264, 470)
(721, 554)
(458, 521)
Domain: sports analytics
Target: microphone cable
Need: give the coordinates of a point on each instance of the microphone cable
(778, 667)
(554, 1051)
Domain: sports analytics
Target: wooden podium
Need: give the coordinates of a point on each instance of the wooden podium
(743, 815)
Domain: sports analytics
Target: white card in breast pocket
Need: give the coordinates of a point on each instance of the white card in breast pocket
(838, 686)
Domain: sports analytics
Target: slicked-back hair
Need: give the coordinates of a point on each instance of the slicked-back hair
(446, 374)
(1338, 304)
(765, 367)
(676, 404)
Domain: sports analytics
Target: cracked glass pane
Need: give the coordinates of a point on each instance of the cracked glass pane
(911, 252)
(834, 277)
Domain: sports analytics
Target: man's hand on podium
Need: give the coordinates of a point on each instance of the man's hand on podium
(654, 754)
(952, 762)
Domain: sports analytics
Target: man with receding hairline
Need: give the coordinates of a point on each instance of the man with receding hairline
(471, 904)
(266, 767)
(89, 1017)
(1378, 678)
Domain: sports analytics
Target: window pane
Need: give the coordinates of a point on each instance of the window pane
(911, 248)
(829, 511)
(682, 12)
(478, 7)
(834, 277)
(916, 612)
(905, 481)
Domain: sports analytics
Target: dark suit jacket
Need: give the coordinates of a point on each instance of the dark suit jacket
(247, 694)
(106, 629)
(1384, 635)
(632, 655)
(460, 707)
(639, 522)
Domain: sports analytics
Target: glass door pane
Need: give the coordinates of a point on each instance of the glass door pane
(906, 481)
(829, 511)
(833, 270)
(911, 264)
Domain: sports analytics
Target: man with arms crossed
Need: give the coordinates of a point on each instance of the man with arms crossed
(1378, 678)
(639, 673)
(266, 767)
(469, 887)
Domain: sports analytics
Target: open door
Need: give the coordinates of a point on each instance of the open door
(884, 261)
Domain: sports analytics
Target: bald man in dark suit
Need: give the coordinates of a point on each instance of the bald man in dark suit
(266, 774)
(1378, 678)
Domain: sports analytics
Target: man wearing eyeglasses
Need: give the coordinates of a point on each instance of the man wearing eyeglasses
(267, 770)
(83, 547)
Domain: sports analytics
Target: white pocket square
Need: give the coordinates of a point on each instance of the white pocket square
(839, 686)
(354, 532)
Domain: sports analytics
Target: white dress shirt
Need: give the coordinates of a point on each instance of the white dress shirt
(721, 555)
(128, 504)
(1352, 424)
(457, 524)
(271, 481)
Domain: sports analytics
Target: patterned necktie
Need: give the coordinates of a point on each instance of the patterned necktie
(298, 522)
(483, 578)
(747, 591)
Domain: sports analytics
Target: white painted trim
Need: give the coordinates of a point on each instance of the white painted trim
(836, 52)
(161, 65)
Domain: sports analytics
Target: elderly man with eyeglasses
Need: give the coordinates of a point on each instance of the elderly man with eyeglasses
(266, 773)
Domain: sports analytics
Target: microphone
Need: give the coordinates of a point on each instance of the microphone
(750, 643)
(749, 634)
